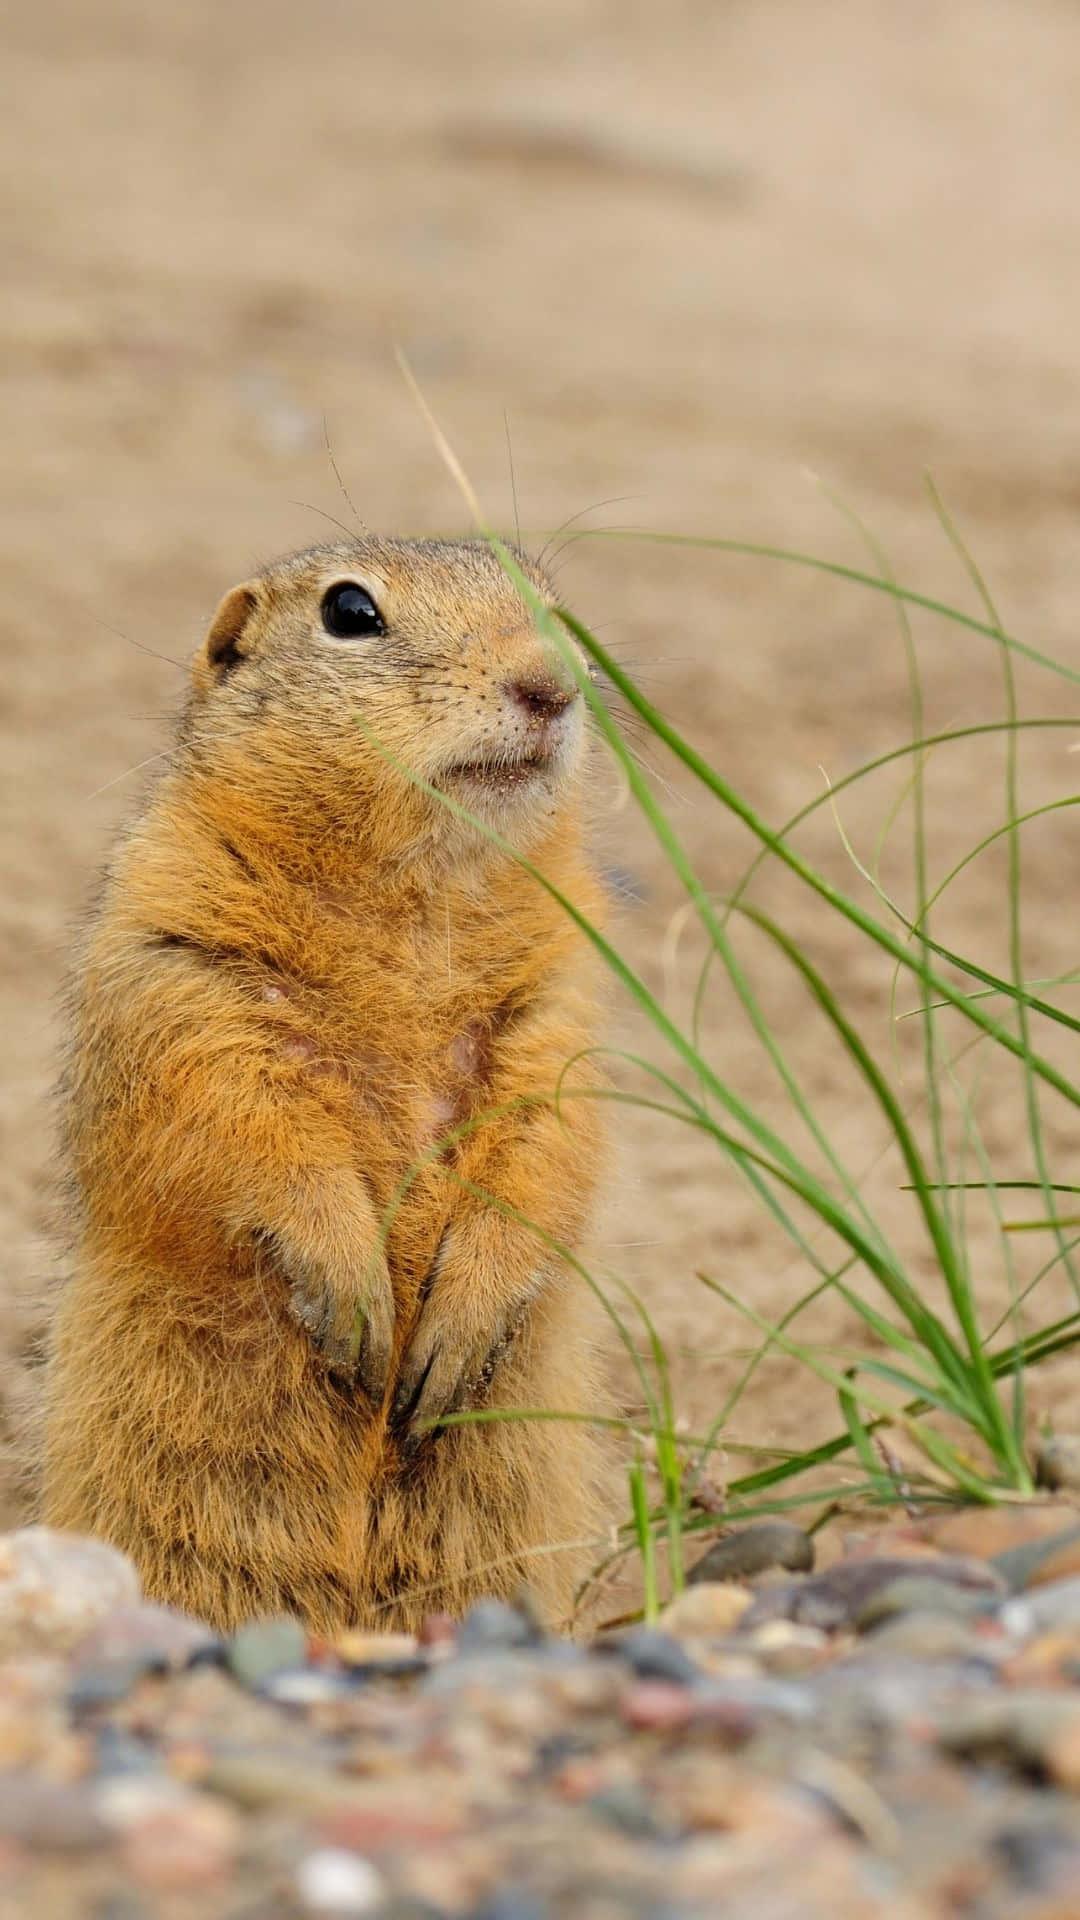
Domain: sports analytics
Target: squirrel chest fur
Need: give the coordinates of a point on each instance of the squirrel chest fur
(324, 1164)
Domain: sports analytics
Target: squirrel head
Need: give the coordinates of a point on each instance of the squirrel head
(335, 680)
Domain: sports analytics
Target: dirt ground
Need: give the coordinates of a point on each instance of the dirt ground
(704, 258)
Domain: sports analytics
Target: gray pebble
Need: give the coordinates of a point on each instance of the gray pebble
(759, 1696)
(103, 1685)
(1057, 1604)
(1057, 1461)
(623, 1804)
(512, 1903)
(1023, 1723)
(117, 1752)
(491, 1623)
(156, 1637)
(306, 1686)
(1018, 1566)
(928, 1635)
(48, 1817)
(754, 1549)
(265, 1647)
(656, 1656)
(921, 1593)
(837, 1597)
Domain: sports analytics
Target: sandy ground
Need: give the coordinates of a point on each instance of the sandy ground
(698, 256)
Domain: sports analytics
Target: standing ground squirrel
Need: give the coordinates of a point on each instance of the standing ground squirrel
(304, 971)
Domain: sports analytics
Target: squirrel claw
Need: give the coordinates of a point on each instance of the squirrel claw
(354, 1341)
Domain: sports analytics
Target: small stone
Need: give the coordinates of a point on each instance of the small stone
(152, 1637)
(49, 1817)
(513, 1903)
(1056, 1603)
(592, 1686)
(380, 1653)
(492, 1623)
(658, 1706)
(264, 1647)
(184, 1846)
(841, 1594)
(54, 1586)
(1034, 1726)
(921, 1593)
(1048, 1658)
(124, 1800)
(656, 1656)
(1057, 1461)
(753, 1549)
(335, 1881)
(1037, 1562)
(438, 1630)
(927, 1636)
(255, 1781)
(623, 1805)
(1061, 1756)
(712, 1607)
(102, 1685)
(306, 1686)
(397, 1820)
(785, 1646)
(743, 1702)
(121, 1755)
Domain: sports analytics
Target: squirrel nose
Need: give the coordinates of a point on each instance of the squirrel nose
(541, 696)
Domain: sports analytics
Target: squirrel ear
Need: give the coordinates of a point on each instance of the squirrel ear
(223, 648)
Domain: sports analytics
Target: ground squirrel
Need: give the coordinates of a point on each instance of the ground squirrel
(304, 970)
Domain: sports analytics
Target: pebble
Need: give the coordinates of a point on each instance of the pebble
(256, 1780)
(491, 1623)
(1045, 1660)
(711, 1607)
(655, 1656)
(624, 1805)
(332, 1880)
(381, 1653)
(54, 1586)
(1035, 1726)
(840, 1595)
(785, 1646)
(438, 1630)
(266, 1647)
(754, 1549)
(759, 1696)
(660, 1706)
(151, 1637)
(184, 1846)
(1057, 1461)
(1039, 1562)
(513, 1903)
(103, 1685)
(49, 1816)
(921, 1593)
(124, 1800)
(307, 1686)
(928, 1635)
(1055, 1604)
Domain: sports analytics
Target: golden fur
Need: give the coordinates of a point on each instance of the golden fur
(304, 971)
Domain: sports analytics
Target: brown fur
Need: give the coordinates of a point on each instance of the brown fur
(304, 970)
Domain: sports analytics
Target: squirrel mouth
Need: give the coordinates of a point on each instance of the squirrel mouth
(500, 776)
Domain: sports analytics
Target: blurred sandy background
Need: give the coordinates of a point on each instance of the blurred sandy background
(692, 252)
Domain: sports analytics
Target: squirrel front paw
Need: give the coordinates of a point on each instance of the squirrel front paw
(347, 1314)
(468, 1323)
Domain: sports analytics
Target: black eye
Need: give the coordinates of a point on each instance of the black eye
(350, 613)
